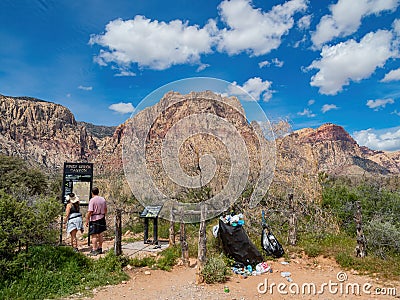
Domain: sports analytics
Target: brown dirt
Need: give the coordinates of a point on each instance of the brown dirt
(179, 283)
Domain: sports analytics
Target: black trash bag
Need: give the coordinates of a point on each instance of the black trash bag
(269, 242)
(237, 245)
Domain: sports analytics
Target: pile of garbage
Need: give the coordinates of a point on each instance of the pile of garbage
(233, 220)
(245, 271)
(235, 242)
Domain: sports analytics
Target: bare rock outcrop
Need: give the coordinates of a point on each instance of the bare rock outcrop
(46, 134)
(43, 133)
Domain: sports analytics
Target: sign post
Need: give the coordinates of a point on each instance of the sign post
(77, 179)
(151, 212)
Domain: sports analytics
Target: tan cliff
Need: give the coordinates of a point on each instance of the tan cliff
(46, 134)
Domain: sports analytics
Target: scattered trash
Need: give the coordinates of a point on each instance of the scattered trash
(215, 231)
(284, 263)
(285, 274)
(239, 269)
(289, 279)
(226, 289)
(233, 220)
(262, 267)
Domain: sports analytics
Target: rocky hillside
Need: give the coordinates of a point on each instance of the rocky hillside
(46, 134)
(331, 149)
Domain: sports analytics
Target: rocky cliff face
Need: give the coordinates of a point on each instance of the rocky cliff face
(46, 134)
(334, 151)
(43, 133)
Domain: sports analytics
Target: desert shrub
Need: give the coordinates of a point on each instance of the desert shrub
(383, 236)
(377, 204)
(24, 224)
(52, 272)
(168, 258)
(16, 175)
(147, 261)
(215, 270)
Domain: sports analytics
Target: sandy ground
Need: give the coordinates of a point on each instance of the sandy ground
(310, 278)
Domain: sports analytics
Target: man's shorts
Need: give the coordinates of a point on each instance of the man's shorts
(97, 226)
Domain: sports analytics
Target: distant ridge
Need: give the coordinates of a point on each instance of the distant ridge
(46, 134)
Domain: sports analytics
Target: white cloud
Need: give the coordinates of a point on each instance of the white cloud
(379, 103)
(85, 88)
(202, 67)
(125, 73)
(264, 63)
(387, 139)
(396, 27)
(252, 30)
(122, 108)
(304, 22)
(351, 61)
(310, 102)
(255, 87)
(275, 61)
(345, 18)
(307, 112)
(395, 112)
(393, 75)
(153, 44)
(327, 107)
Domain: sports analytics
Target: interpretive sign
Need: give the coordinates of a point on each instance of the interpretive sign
(151, 212)
(77, 179)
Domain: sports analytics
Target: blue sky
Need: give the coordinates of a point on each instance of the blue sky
(310, 62)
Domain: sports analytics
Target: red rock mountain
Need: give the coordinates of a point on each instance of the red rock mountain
(335, 151)
(46, 134)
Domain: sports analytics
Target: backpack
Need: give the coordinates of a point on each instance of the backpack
(269, 242)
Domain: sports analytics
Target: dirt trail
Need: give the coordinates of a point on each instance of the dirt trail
(180, 284)
(311, 278)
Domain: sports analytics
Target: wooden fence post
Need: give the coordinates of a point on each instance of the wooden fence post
(292, 236)
(202, 251)
(171, 240)
(184, 246)
(118, 232)
(361, 248)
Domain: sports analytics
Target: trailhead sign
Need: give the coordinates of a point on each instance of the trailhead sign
(78, 179)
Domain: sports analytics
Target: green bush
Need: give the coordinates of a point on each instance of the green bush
(382, 236)
(49, 272)
(168, 258)
(16, 175)
(215, 270)
(28, 208)
(23, 224)
(377, 204)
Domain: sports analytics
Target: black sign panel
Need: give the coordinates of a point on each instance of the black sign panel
(78, 179)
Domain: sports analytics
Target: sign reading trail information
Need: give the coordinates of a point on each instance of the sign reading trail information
(77, 179)
(151, 211)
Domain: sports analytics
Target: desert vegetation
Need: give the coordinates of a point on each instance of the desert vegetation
(34, 266)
